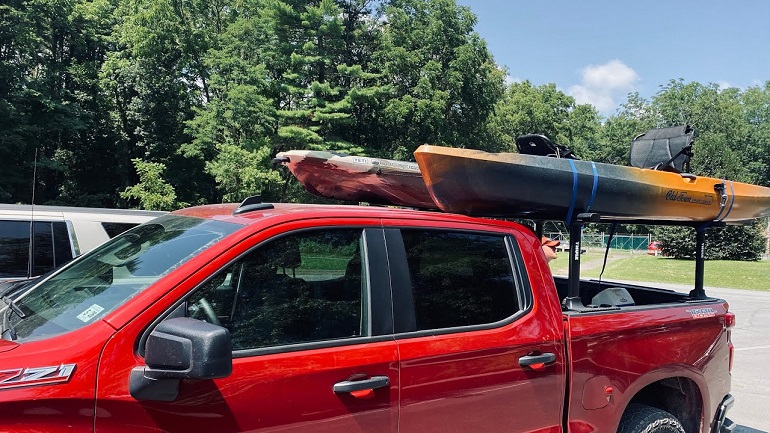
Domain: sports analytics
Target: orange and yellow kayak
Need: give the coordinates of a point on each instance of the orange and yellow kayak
(358, 178)
(515, 185)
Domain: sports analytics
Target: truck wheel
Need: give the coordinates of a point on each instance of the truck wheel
(639, 418)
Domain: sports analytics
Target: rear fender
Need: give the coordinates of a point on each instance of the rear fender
(678, 390)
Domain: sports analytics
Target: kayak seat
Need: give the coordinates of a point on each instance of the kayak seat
(540, 145)
(668, 149)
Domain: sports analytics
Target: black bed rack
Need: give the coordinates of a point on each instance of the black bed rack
(573, 301)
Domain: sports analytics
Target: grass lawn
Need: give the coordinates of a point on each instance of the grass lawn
(643, 267)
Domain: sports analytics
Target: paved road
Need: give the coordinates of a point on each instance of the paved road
(751, 366)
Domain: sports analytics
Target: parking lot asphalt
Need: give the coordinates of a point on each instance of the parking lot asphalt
(751, 365)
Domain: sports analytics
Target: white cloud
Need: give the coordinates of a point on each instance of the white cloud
(510, 80)
(724, 85)
(602, 84)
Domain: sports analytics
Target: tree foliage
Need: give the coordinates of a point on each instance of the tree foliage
(444, 81)
(158, 103)
(722, 243)
(528, 109)
(152, 192)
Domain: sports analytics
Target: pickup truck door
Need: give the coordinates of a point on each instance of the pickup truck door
(477, 352)
(310, 318)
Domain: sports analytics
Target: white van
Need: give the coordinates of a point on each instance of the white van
(59, 233)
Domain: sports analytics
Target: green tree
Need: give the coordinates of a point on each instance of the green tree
(286, 75)
(314, 103)
(444, 80)
(157, 78)
(17, 43)
(528, 109)
(756, 115)
(745, 243)
(240, 173)
(51, 104)
(152, 192)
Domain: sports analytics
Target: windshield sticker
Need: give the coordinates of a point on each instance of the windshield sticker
(36, 376)
(699, 313)
(90, 312)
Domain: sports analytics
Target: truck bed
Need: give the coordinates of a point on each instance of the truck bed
(666, 349)
(641, 295)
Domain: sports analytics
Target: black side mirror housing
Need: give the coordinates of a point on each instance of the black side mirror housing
(181, 348)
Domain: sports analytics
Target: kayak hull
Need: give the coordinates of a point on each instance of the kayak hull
(358, 179)
(515, 185)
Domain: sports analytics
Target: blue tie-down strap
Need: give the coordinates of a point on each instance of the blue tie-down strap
(593, 188)
(573, 199)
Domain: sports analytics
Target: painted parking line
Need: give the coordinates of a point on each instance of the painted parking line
(740, 349)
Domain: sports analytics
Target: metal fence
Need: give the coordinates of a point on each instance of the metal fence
(629, 242)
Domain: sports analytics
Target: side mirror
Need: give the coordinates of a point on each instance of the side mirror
(181, 348)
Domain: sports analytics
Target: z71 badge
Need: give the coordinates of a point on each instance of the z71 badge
(35, 376)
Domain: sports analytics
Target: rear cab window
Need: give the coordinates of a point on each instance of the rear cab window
(457, 279)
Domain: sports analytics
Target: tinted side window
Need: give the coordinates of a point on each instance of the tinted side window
(14, 248)
(43, 249)
(303, 287)
(61, 244)
(51, 248)
(114, 229)
(459, 279)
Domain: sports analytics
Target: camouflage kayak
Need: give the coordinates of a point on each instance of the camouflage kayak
(358, 178)
(515, 185)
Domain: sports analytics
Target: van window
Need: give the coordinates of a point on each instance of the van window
(14, 248)
(62, 246)
(43, 249)
(299, 288)
(459, 279)
(50, 250)
(113, 229)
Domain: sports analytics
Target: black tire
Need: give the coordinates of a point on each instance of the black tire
(639, 418)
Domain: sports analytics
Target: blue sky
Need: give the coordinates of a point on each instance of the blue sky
(600, 50)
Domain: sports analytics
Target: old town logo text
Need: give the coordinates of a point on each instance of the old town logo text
(686, 197)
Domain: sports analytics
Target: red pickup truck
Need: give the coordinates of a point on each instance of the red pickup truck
(266, 318)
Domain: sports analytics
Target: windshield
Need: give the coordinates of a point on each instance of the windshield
(105, 278)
